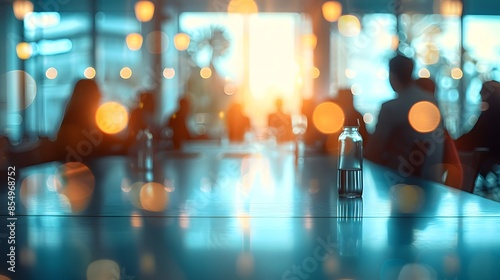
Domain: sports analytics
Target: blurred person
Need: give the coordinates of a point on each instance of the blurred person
(345, 100)
(143, 115)
(395, 143)
(427, 84)
(178, 124)
(237, 123)
(78, 136)
(451, 159)
(486, 132)
(280, 124)
(312, 134)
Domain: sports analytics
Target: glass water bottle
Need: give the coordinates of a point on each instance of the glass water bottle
(350, 161)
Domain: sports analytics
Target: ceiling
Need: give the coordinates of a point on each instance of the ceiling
(470, 7)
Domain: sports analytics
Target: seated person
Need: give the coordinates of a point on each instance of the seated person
(280, 124)
(178, 124)
(396, 143)
(485, 133)
(142, 116)
(78, 137)
(237, 123)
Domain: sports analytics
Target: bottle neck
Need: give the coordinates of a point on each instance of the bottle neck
(351, 128)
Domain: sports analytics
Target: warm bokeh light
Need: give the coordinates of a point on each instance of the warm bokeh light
(16, 77)
(368, 118)
(428, 53)
(349, 25)
(111, 117)
(184, 221)
(156, 42)
(424, 73)
(181, 41)
(451, 7)
(24, 50)
(406, 198)
(136, 220)
(103, 269)
(356, 89)
(169, 73)
(309, 41)
(134, 41)
(332, 10)
(126, 73)
(242, 7)
(394, 42)
(328, 117)
(315, 73)
(456, 73)
(22, 8)
(230, 89)
(144, 10)
(205, 72)
(351, 74)
(153, 197)
(51, 73)
(424, 116)
(89, 73)
(75, 183)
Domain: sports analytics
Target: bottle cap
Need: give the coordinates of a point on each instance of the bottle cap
(351, 122)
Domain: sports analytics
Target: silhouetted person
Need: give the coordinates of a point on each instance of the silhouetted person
(280, 124)
(451, 159)
(395, 143)
(427, 84)
(142, 117)
(237, 123)
(313, 137)
(178, 124)
(486, 132)
(79, 136)
(345, 100)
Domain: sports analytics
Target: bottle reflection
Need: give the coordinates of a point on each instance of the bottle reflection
(349, 225)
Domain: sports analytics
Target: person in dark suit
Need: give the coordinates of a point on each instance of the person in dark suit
(399, 144)
(486, 132)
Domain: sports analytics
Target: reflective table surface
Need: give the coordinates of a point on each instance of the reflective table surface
(240, 212)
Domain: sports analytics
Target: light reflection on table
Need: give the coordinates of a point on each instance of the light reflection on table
(245, 213)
